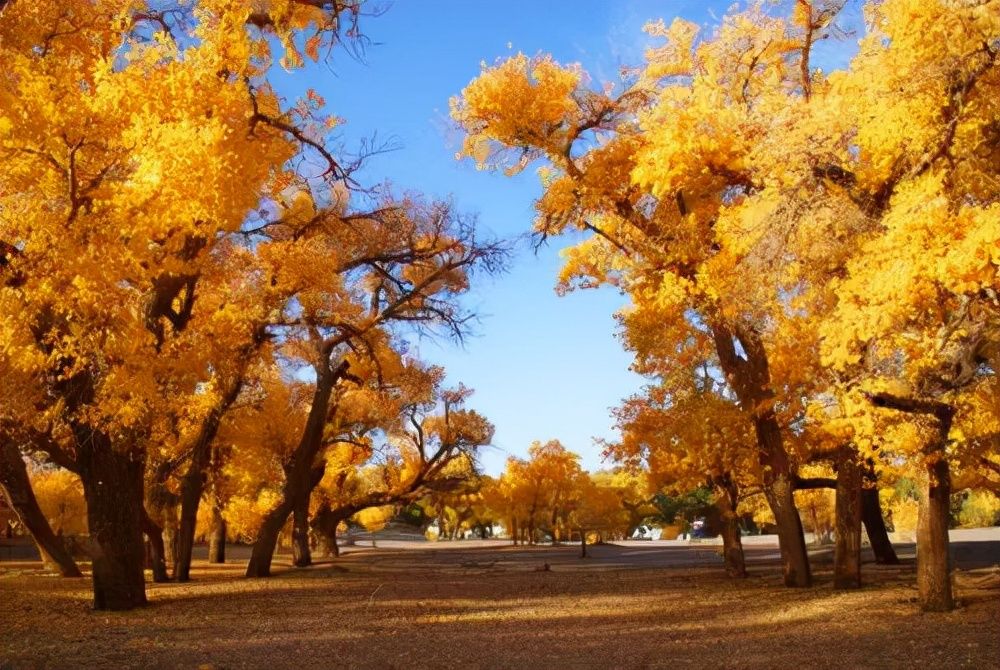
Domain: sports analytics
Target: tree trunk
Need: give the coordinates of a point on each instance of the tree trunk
(583, 544)
(878, 536)
(749, 374)
(732, 548)
(217, 536)
(815, 524)
(112, 486)
(159, 515)
(778, 490)
(301, 553)
(16, 486)
(332, 539)
(295, 497)
(192, 490)
(267, 540)
(325, 523)
(933, 559)
(193, 484)
(171, 534)
(732, 543)
(300, 471)
(847, 552)
(157, 551)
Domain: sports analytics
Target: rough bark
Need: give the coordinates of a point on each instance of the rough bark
(933, 556)
(301, 553)
(732, 549)
(113, 489)
(16, 486)
(847, 552)
(217, 536)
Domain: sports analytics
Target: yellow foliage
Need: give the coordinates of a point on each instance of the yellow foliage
(60, 495)
(375, 518)
(244, 515)
(980, 509)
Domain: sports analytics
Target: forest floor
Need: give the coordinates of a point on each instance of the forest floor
(487, 605)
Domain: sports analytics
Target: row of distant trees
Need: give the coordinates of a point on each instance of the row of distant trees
(521, 504)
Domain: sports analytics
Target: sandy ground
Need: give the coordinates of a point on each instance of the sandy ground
(488, 605)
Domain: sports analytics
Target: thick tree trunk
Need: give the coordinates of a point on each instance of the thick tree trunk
(325, 523)
(113, 488)
(871, 514)
(791, 542)
(732, 548)
(847, 552)
(217, 536)
(295, 496)
(933, 558)
(16, 486)
(192, 488)
(732, 542)
(267, 540)
(301, 553)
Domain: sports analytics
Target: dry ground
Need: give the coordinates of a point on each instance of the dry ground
(490, 607)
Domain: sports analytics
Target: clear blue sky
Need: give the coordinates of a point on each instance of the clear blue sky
(543, 367)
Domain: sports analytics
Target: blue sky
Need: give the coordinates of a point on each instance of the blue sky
(543, 367)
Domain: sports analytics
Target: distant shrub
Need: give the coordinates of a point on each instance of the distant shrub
(979, 509)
